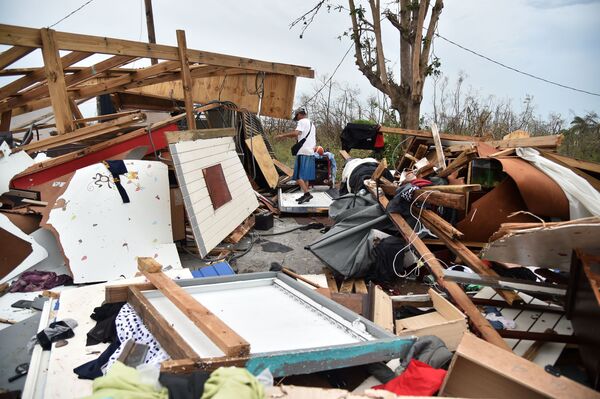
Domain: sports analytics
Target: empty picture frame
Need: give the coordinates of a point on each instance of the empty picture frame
(291, 329)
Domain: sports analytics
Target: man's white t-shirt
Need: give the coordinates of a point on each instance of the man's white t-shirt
(304, 125)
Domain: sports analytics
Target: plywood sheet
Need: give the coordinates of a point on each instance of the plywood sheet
(19, 250)
(259, 150)
(544, 247)
(101, 237)
(278, 96)
(210, 226)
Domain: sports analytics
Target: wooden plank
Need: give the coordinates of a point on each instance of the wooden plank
(331, 283)
(199, 134)
(454, 188)
(379, 170)
(120, 293)
(283, 167)
(439, 150)
(186, 80)
(482, 370)
(462, 160)
(427, 134)
(224, 337)
(471, 244)
(469, 258)
(76, 112)
(17, 35)
(382, 309)
(241, 230)
(13, 54)
(259, 150)
(164, 333)
(5, 119)
(454, 201)
(85, 133)
(502, 153)
(462, 300)
(360, 287)
(550, 142)
(439, 222)
(56, 82)
(346, 287)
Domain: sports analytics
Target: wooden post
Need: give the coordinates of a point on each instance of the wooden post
(186, 80)
(5, 121)
(56, 82)
(150, 25)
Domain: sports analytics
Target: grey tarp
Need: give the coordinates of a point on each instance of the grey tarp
(346, 248)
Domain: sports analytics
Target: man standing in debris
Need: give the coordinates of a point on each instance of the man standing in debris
(305, 166)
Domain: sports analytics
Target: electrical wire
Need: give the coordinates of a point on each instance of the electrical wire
(71, 13)
(515, 69)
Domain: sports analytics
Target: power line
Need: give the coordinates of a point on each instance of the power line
(515, 69)
(71, 13)
(332, 75)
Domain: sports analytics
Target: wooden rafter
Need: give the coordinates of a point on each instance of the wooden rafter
(13, 54)
(17, 35)
(39, 74)
(186, 80)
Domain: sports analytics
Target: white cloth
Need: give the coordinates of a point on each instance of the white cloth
(349, 168)
(584, 200)
(305, 126)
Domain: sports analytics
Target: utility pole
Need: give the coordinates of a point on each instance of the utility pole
(150, 24)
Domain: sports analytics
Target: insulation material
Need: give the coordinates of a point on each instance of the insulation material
(584, 200)
(545, 246)
(210, 226)
(11, 165)
(20, 251)
(100, 235)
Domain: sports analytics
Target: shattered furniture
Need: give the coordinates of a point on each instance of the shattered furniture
(256, 321)
(446, 322)
(481, 370)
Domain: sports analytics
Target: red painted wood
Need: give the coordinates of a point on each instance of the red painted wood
(53, 172)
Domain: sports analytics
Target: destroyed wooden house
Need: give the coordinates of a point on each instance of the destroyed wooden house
(467, 269)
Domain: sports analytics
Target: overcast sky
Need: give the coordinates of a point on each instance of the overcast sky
(554, 39)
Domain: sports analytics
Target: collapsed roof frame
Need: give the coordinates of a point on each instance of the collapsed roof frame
(59, 84)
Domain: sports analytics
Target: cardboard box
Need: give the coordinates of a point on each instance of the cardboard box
(447, 322)
(177, 214)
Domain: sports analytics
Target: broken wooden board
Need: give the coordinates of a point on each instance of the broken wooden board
(447, 322)
(241, 230)
(545, 246)
(100, 235)
(283, 167)
(382, 311)
(218, 332)
(210, 226)
(480, 370)
(261, 155)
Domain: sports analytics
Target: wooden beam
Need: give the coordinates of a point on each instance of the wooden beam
(480, 323)
(150, 26)
(56, 82)
(502, 153)
(427, 134)
(22, 36)
(468, 257)
(186, 80)
(331, 283)
(222, 335)
(283, 167)
(199, 134)
(77, 115)
(439, 222)
(5, 119)
(448, 200)
(84, 133)
(345, 155)
(463, 159)
(13, 54)
(164, 332)
(550, 142)
(38, 75)
(439, 150)
(379, 170)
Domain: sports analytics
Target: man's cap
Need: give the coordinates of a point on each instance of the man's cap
(300, 110)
